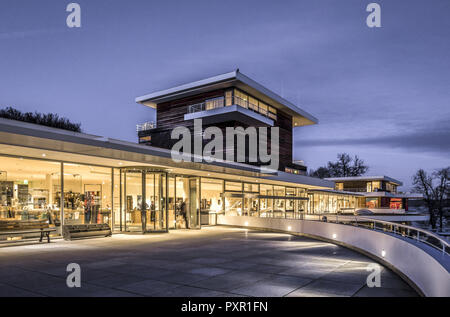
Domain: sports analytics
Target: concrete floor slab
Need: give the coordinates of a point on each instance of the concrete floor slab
(214, 261)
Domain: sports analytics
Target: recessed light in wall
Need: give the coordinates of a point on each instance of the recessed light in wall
(383, 253)
(246, 223)
(334, 236)
(120, 163)
(44, 155)
(289, 228)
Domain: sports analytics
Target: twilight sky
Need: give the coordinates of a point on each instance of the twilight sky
(383, 94)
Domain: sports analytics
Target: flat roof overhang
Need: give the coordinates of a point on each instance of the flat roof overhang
(229, 80)
(365, 178)
(19, 139)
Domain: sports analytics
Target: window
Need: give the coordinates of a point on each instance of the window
(240, 99)
(272, 113)
(251, 188)
(87, 194)
(376, 186)
(263, 108)
(233, 186)
(145, 139)
(253, 104)
(371, 202)
(214, 103)
(211, 200)
(229, 98)
(30, 190)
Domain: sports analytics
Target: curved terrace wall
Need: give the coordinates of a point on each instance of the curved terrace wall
(422, 265)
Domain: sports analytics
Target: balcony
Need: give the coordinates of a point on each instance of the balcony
(146, 126)
(215, 111)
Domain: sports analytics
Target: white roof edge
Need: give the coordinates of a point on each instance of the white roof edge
(235, 75)
(194, 84)
(362, 178)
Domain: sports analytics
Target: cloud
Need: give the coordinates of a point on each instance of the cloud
(435, 138)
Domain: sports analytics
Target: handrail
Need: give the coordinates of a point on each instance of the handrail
(198, 107)
(146, 126)
(422, 235)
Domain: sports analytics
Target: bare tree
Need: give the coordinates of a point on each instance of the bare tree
(435, 191)
(441, 191)
(423, 183)
(321, 172)
(347, 166)
(344, 166)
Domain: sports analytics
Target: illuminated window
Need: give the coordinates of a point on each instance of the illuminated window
(240, 99)
(145, 139)
(229, 98)
(233, 186)
(214, 103)
(253, 104)
(263, 108)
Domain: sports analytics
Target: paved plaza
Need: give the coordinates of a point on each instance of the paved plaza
(214, 261)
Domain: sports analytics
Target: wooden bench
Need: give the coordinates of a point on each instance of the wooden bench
(19, 228)
(71, 232)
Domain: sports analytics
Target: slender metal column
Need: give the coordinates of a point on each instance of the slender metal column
(199, 215)
(62, 196)
(167, 201)
(112, 199)
(125, 197)
(120, 200)
(143, 200)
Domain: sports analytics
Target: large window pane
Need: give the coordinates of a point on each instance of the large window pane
(30, 190)
(211, 201)
(87, 194)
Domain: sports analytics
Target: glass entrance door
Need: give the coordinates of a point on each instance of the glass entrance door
(144, 200)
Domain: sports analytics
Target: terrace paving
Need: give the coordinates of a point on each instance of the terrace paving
(214, 261)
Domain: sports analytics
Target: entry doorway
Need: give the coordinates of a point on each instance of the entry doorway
(143, 200)
(187, 198)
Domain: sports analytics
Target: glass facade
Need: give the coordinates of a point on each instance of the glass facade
(30, 190)
(244, 100)
(142, 199)
(87, 194)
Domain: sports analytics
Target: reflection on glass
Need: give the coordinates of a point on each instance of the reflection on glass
(87, 194)
(30, 190)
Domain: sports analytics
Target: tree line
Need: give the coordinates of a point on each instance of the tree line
(46, 119)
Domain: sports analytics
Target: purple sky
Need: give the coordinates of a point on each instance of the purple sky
(383, 94)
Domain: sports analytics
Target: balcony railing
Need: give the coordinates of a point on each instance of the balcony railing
(364, 190)
(146, 126)
(220, 103)
(396, 229)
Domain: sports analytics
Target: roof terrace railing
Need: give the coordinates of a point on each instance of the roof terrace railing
(146, 126)
(220, 102)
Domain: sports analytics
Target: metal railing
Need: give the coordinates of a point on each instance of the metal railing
(364, 190)
(405, 231)
(146, 126)
(220, 102)
(207, 105)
